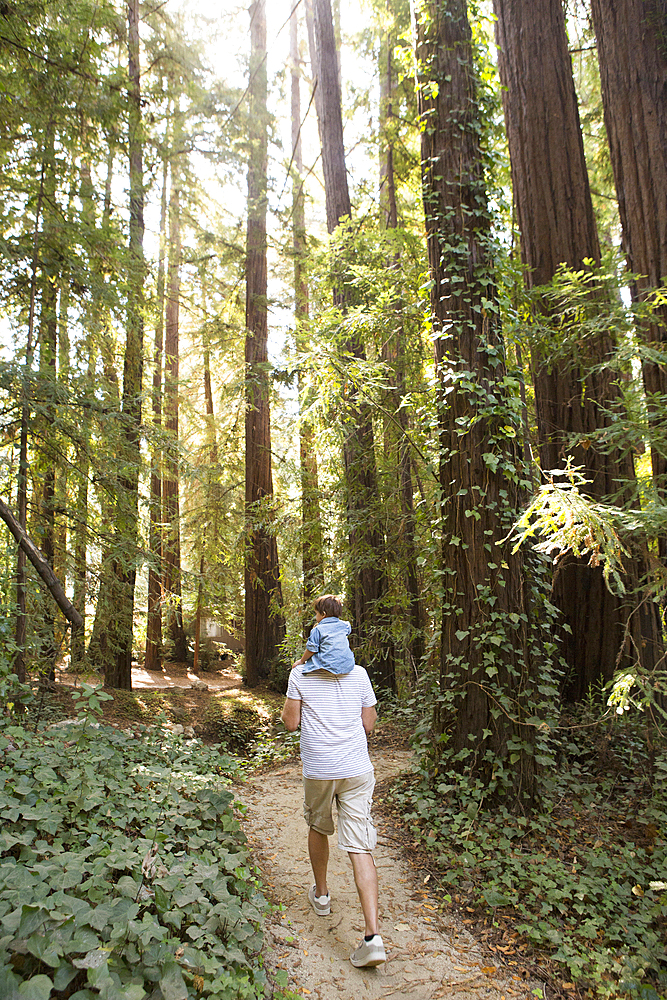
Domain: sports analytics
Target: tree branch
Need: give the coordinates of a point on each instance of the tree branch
(42, 567)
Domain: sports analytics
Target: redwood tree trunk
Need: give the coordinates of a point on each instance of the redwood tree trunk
(555, 215)
(264, 623)
(153, 660)
(633, 72)
(45, 454)
(212, 441)
(118, 672)
(170, 481)
(21, 626)
(367, 545)
(311, 527)
(394, 351)
(487, 655)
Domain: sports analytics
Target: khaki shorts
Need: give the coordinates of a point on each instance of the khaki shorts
(353, 798)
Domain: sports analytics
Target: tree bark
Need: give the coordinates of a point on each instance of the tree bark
(557, 224)
(170, 480)
(487, 654)
(633, 71)
(21, 627)
(264, 622)
(312, 553)
(366, 540)
(212, 441)
(153, 659)
(79, 575)
(44, 461)
(98, 652)
(394, 353)
(118, 673)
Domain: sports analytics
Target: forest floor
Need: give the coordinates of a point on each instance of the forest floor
(431, 954)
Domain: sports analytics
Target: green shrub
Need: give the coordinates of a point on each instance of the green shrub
(123, 871)
(584, 878)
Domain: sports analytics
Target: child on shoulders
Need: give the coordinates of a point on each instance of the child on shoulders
(327, 647)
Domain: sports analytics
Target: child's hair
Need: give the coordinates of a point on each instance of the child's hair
(328, 605)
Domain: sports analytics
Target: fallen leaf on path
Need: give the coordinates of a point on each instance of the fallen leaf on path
(489, 970)
(402, 927)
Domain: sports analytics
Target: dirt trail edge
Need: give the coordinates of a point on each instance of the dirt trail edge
(427, 958)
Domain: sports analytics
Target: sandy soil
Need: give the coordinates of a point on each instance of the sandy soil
(428, 957)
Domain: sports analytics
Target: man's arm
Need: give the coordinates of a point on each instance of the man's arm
(291, 714)
(368, 718)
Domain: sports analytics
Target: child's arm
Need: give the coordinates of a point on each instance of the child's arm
(307, 653)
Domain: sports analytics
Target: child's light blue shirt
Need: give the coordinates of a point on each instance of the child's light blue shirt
(328, 642)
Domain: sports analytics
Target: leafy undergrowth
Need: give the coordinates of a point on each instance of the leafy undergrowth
(240, 721)
(123, 872)
(581, 885)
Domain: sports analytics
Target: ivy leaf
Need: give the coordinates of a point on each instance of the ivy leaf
(93, 960)
(37, 988)
(494, 898)
(172, 983)
(32, 917)
(44, 950)
(127, 886)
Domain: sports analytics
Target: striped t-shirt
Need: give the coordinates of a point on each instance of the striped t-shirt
(333, 739)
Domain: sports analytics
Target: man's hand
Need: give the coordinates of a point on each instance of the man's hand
(291, 714)
(368, 718)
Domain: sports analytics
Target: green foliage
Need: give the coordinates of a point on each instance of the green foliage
(124, 872)
(582, 880)
(569, 522)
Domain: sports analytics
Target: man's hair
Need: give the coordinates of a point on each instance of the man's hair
(328, 605)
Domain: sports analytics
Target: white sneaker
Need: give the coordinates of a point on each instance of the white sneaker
(369, 953)
(321, 904)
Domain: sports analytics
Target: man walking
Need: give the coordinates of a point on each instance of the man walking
(336, 711)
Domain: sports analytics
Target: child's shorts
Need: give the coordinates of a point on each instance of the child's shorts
(353, 798)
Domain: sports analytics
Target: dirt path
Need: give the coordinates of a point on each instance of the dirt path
(427, 958)
(173, 676)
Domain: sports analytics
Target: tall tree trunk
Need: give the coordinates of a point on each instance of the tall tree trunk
(633, 70)
(45, 457)
(264, 622)
(486, 660)
(21, 627)
(153, 658)
(394, 351)
(311, 527)
(170, 481)
(102, 343)
(119, 671)
(312, 49)
(388, 207)
(557, 225)
(213, 459)
(367, 545)
(79, 575)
